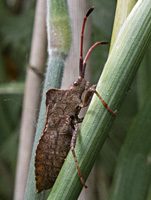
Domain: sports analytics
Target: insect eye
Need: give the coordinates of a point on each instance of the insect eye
(75, 83)
(72, 116)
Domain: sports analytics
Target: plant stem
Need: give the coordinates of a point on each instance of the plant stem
(117, 76)
(123, 9)
(59, 41)
(31, 100)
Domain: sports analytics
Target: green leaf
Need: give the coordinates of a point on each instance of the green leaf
(133, 173)
(123, 9)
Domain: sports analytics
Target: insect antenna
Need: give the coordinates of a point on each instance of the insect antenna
(82, 64)
(81, 47)
(88, 53)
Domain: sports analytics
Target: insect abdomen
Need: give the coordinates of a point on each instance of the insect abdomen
(50, 155)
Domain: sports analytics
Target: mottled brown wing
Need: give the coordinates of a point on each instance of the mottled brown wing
(54, 144)
(50, 154)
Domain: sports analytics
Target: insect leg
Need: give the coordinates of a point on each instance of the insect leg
(72, 145)
(88, 96)
(80, 120)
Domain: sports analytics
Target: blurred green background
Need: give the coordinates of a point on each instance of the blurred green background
(16, 24)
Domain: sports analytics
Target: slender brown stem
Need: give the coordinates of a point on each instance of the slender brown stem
(31, 100)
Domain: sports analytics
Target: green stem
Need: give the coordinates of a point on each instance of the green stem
(119, 71)
(123, 9)
(59, 41)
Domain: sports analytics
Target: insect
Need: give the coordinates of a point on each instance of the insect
(61, 125)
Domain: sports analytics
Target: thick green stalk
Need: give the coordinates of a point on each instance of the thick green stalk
(129, 169)
(119, 71)
(59, 41)
(123, 9)
(133, 173)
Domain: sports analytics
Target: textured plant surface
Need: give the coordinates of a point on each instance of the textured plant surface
(120, 69)
(59, 41)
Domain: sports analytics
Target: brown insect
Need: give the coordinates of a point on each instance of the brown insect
(61, 125)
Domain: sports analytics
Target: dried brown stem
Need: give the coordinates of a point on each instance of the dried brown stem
(31, 100)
